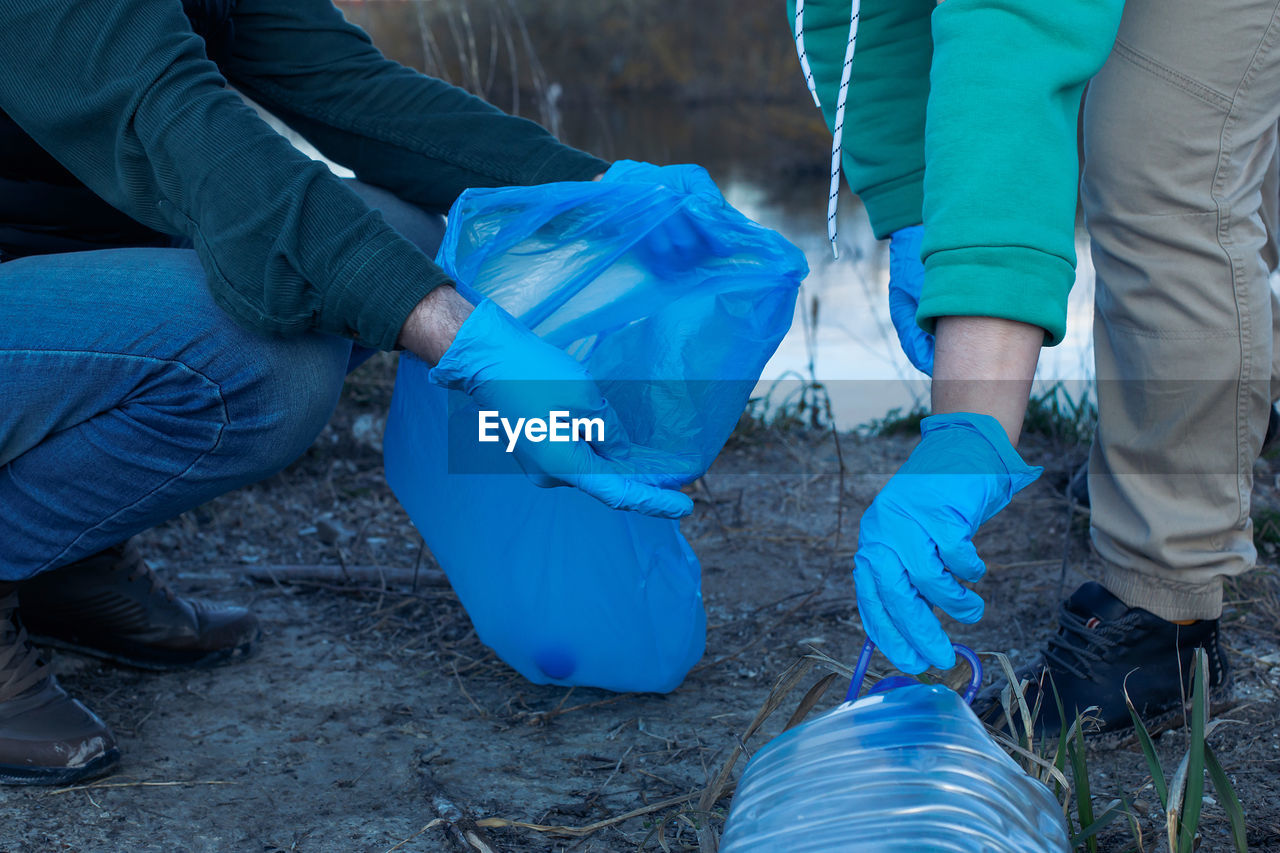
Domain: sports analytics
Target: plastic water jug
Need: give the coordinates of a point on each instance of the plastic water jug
(906, 769)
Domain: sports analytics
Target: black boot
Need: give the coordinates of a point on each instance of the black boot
(1102, 647)
(46, 737)
(111, 605)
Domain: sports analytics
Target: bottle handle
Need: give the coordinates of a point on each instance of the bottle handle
(864, 662)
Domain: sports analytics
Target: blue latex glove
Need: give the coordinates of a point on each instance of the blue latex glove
(685, 178)
(906, 280)
(508, 369)
(915, 541)
(674, 237)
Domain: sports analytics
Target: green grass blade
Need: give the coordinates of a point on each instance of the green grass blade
(1135, 827)
(1177, 795)
(1040, 768)
(1194, 798)
(1149, 753)
(1087, 833)
(1080, 775)
(1028, 716)
(1064, 736)
(1227, 796)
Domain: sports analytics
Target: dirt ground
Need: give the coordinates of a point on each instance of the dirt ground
(369, 713)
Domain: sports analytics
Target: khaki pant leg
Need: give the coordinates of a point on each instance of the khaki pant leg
(1271, 257)
(1180, 134)
(1271, 213)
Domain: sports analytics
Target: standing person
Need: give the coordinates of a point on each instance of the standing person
(139, 380)
(1179, 138)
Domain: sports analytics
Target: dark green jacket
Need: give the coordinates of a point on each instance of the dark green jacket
(122, 94)
(963, 117)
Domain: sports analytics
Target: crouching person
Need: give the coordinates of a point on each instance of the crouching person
(180, 292)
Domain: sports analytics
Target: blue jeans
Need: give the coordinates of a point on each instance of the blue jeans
(128, 397)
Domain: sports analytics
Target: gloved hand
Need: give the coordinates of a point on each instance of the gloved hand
(686, 178)
(906, 280)
(675, 238)
(508, 369)
(915, 541)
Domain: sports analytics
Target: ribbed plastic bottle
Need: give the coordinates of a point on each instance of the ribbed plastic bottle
(906, 769)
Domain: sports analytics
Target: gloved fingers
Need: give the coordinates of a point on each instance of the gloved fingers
(917, 345)
(549, 463)
(685, 177)
(933, 581)
(902, 306)
(962, 559)
(642, 465)
(945, 592)
(657, 467)
(913, 615)
(677, 240)
(608, 483)
(915, 342)
(907, 612)
(622, 492)
(616, 443)
(696, 180)
(875, 619)
(924, 351)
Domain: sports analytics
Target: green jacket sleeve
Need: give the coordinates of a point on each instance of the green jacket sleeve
(883, 148)
(421, 138)
(1001, 178)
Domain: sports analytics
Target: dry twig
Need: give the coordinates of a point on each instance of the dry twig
(97, 785)
(344, 575)
(461, 830)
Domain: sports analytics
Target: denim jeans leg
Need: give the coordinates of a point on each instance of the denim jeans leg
(127, 397)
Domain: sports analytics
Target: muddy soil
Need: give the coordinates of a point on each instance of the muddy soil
(369, 712)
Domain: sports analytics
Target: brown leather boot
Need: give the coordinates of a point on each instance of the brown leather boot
(112, 606)
(46, 737)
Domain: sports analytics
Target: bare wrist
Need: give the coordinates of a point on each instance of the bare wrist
(434, 322)
(985, 365)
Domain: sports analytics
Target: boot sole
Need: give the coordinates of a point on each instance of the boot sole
(12, 774)
(1218, 697)
(157, 661)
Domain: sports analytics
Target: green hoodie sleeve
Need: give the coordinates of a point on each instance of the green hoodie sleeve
(1002, 167)
(883, 147)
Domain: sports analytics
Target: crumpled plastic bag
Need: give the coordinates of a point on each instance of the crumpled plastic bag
(674, 301)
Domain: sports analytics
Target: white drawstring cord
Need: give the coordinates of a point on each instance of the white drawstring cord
(833, 198)
(804, 58)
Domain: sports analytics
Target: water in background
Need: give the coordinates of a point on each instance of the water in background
(767, 151)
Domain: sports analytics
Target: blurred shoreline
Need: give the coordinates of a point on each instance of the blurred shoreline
(612, 75)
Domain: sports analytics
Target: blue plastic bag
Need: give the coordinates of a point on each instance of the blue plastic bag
(674, 301)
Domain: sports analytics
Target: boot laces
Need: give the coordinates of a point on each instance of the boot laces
(131, 561)
(1078, 646)
(21, 667)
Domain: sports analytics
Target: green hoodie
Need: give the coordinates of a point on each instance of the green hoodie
(963, 116)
